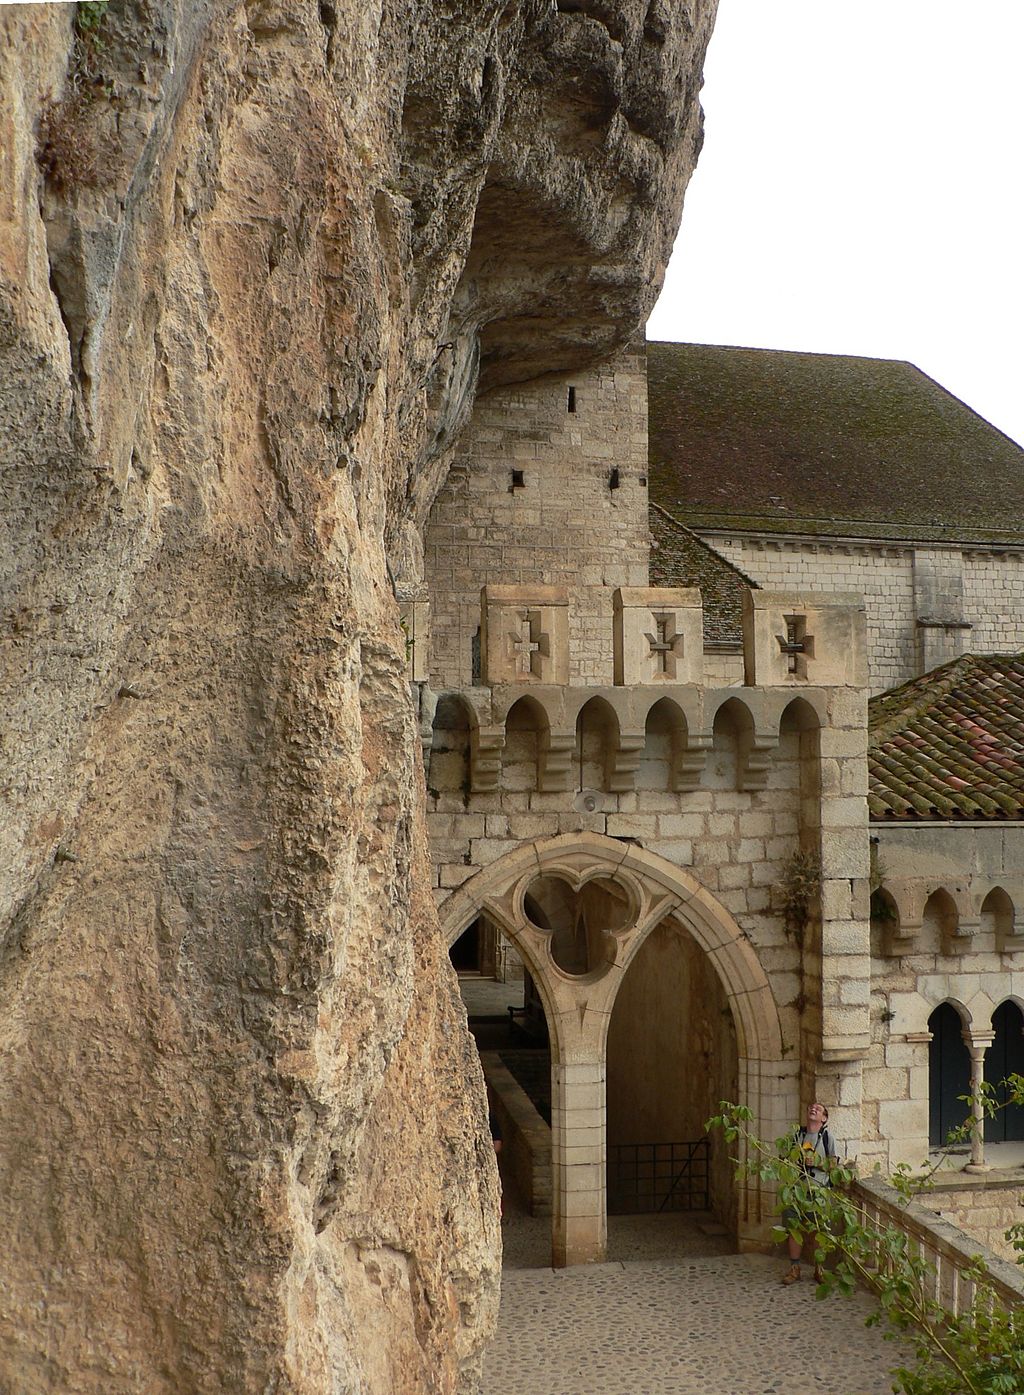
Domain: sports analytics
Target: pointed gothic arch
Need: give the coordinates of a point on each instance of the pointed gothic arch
(578, 1006)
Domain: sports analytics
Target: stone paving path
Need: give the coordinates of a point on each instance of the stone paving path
(674, 1314)
(713, 1326)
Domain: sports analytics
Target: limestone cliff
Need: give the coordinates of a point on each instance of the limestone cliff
(253, 259)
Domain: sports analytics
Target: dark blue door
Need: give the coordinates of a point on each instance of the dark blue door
(1005, 1057)
(949, 1074)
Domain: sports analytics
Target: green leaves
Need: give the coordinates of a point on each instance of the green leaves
(89, 15)
(977, 1352)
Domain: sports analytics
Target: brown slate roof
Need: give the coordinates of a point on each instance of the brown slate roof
(680, 558)
(825, 444)
(950, 745)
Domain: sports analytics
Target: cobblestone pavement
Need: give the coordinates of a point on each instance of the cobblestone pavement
(700, 1323)
(714, 1326)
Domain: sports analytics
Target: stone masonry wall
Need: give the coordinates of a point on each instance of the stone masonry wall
(994, 601)
(986, 1211)
(563, 525)
(992, 593)
(734, 841)
(882, 575)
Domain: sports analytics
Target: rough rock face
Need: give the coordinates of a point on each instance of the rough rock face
(253, 257)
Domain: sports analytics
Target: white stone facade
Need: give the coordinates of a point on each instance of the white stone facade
(593, 779)
(980, 590)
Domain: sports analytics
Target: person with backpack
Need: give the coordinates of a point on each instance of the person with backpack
(817, 1154)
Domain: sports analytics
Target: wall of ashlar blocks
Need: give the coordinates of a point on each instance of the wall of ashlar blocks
(735, 841)
(974, 960)
(884, 576)
(994, 601)
(983, 1207)
(564, 525)
(900, 583)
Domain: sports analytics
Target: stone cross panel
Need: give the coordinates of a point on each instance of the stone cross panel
(524, 635)
(658, 635)
(797, 644)
(794, 637)
(666, 644)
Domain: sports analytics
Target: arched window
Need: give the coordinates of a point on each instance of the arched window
(885, 915)
(939, 922)
(1003, 1058)
(664, 742)
(949, 1074)
(997, 915)
(525, 729)
(733, 733)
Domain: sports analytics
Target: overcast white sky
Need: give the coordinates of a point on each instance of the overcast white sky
(860, 190)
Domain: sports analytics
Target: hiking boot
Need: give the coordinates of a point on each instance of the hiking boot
(792, 1276)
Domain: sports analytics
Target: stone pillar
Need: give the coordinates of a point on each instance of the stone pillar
(771, 1090)
(580, 1232)
(977, 1044)
(942, 628)
(845, 968)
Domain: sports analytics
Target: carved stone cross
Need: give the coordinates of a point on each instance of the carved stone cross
(530, 644)
(665, 644)
(797, 644)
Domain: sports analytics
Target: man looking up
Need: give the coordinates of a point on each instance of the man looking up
(817, 1155)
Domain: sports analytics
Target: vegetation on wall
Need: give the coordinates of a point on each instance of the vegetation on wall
(797, 890)
(66, 147)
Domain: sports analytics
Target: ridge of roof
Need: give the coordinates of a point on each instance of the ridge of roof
(680, 558)
(700, 542)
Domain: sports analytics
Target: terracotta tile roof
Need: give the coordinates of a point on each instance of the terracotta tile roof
(950, 745)
(680, 558)
(825, 444)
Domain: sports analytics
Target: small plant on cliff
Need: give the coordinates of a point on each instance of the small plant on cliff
(797, 889)
(979, 1351)
(89, 17)
(66, 148)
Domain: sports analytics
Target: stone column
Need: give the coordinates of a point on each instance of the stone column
(977, 1044)
(845, 968)
(580, 1232)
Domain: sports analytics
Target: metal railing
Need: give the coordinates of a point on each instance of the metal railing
(646, 1177)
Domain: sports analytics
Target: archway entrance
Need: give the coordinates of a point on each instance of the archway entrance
(671, 1057)
(508, 1024)
(578, 910)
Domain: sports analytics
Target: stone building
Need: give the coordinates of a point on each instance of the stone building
(824, 472)
(946, 801)
(646, 787)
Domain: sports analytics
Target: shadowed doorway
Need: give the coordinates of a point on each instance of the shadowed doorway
(671, 1058)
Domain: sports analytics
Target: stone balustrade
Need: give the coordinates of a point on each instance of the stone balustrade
(950, 1252)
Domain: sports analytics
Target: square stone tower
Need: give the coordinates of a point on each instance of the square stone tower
(548, 490)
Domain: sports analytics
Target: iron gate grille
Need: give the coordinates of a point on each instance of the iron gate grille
(658, 1177)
